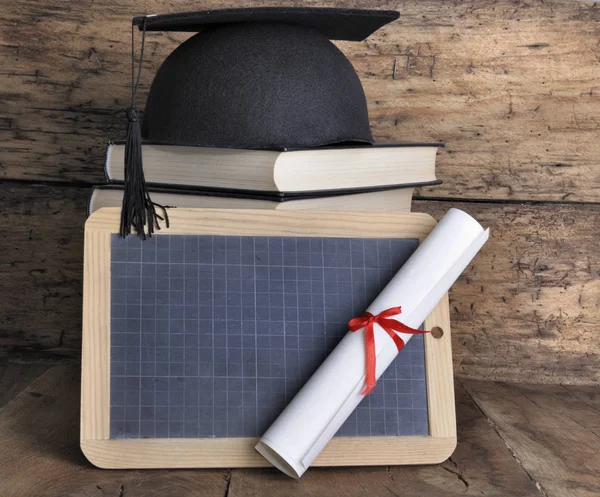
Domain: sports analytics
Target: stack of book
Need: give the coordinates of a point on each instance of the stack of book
(349, 178)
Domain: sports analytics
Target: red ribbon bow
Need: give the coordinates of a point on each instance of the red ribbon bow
(390, 326)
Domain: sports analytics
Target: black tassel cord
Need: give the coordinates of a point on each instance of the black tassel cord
(137, 211)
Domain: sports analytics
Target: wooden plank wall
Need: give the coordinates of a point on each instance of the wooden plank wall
(512, 87)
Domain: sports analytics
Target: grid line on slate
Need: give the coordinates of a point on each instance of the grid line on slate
(212, 336)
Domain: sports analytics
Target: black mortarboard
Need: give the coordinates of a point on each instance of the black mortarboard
(260, 78)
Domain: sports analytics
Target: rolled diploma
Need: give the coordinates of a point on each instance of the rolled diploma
(332, 393)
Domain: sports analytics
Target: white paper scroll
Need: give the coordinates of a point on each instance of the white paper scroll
(333, 392)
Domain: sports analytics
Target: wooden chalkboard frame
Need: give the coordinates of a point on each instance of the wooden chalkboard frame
(239, 452)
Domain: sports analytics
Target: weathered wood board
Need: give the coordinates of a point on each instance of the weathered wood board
(526, 309)
(551, 430)
(14, 377)
(511, 87)
(41, 260)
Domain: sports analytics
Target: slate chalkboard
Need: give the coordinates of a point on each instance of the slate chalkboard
(211, 336)
(194, 340)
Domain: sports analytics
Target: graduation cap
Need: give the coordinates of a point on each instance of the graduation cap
(256, 78)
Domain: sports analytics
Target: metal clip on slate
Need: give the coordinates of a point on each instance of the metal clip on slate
(138, 210)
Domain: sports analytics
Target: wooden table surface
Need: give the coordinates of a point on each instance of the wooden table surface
(513, 441)
(511, 87)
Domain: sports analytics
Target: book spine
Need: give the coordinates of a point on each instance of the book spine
(90, 200)
(107, 176)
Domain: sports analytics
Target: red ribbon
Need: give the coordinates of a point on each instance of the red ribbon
(390, 326)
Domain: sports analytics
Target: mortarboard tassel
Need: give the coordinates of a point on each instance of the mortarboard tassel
(138, 210)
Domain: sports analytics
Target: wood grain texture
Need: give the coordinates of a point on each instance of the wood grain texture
(14, 377)
(95, 346)
(512, 88)
(439, 376)
(149, 453)
(39, 429)
(480, 465)
(40, 454)
(41, 248)
(239, 452)
(551, 431)
(589, 414)
(254, 222)
(528, 307)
